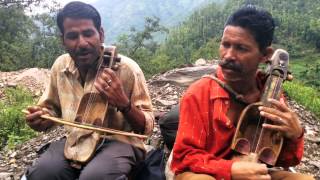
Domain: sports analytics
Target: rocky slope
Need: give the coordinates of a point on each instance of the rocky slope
(165, 89)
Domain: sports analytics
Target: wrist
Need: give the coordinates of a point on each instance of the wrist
(126, 108)
(301, 133)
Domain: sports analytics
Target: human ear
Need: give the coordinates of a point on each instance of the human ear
(62, 39)
(101, 33)
(266, 54)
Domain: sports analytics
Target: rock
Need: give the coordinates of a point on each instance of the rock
(166, 102)
(316, 164)
(12, 85)
(313, 139)
(185, 76)
(6, 176)
(200, 62)
(13, 155)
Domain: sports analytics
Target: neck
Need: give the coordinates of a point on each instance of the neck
(83, 73)
(247, 87)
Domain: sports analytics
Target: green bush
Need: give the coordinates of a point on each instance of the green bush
(13, 127)
(307, 96)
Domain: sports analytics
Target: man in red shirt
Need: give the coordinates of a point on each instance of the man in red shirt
(208, 115)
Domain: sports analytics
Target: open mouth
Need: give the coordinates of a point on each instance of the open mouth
(83, 54)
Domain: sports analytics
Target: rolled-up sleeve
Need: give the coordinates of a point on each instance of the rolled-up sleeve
(141, 99)
(50, 98)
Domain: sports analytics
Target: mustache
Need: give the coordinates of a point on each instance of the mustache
(83, 51)
(230, 64)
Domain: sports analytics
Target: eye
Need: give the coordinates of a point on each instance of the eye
(72, 35)
(88, 33)
(225, 44)
(242, 48)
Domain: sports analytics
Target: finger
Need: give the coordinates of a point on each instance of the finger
(32, 109)
(279, 105)
(101, 87)
(99, 84)
(111, 73)
(264, 177)
(274, 118)
(109, 81)
(34, 115)
(45, 111)
(106, 88)
(104, 81)
(34, 122)
(107, 78)
(270, 110)
(262, 169)
(274, 127)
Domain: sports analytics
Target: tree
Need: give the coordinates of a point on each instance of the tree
(27, 40)
(136, 40)
(46, 44)
(21, 3)
(15, 29)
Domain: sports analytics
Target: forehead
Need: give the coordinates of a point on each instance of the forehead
(238, 34)
(72, 24)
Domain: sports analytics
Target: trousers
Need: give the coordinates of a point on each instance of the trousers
(278, 175)
(114, 160)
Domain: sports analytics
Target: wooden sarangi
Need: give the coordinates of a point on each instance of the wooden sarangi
(256, 143)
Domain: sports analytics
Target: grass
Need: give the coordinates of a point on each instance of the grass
(13, 127)
(300, 64)
(307, 96)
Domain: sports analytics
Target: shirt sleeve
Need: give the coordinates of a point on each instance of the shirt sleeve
(189, 152)
(50, 98)
(291, 152)
(141, 99)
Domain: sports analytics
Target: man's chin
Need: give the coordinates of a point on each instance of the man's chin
(84, 62)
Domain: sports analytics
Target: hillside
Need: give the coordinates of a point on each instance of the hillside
(297, 31)
(119, 15)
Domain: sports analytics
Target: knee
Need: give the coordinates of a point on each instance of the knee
(89, 175)
(108, 173)
(43, 170)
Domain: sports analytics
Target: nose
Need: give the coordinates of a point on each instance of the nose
(229, 53)
(83, 43)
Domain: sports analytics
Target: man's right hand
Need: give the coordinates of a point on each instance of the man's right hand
(34, 120)
(242, 170)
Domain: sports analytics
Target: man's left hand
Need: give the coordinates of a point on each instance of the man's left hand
(284, 119)
(110, 85)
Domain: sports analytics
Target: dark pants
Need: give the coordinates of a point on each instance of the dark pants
(279, 175)
(114, 160)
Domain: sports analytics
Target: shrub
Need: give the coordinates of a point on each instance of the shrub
(307, 96)
(13, 127)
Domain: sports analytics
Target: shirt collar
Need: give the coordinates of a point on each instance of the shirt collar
(70, 66)
(219, 92)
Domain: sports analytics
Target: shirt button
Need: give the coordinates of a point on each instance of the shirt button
(226, 102)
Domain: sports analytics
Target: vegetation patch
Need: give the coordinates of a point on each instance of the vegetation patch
(14, 130)
(307, 96)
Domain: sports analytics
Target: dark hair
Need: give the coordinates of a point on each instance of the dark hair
(258, 21)
(78, 10)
